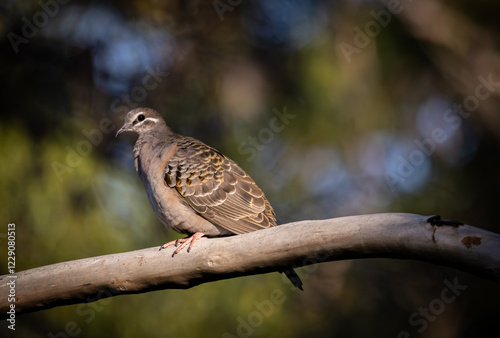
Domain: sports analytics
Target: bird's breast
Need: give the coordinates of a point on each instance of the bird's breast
(166, 202)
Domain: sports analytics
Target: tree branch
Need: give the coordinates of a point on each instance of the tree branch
(403, 236)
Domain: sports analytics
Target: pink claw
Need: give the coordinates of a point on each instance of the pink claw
(184, 242)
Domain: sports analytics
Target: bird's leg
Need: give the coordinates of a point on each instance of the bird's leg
(184, 242)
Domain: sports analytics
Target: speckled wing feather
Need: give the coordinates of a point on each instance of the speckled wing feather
(217, 188)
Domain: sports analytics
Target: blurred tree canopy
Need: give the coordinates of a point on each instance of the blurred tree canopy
(334, 107)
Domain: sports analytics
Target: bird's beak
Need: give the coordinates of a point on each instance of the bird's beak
(126, 127)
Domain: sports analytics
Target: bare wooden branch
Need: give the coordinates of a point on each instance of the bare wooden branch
(402, 236)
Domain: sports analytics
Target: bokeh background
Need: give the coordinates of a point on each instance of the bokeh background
(334, 107)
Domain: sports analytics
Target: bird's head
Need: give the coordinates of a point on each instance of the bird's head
(142, 120)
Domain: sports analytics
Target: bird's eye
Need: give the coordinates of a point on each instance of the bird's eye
(140, 117)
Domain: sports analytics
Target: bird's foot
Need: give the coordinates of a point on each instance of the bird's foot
(184, 242)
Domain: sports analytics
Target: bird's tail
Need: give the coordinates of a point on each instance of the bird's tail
(294, 278)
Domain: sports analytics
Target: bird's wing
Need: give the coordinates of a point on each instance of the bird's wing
(217, 188)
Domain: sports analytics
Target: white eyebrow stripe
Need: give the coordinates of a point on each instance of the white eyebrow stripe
(151, 119)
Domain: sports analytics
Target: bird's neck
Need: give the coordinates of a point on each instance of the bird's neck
(153, 143)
